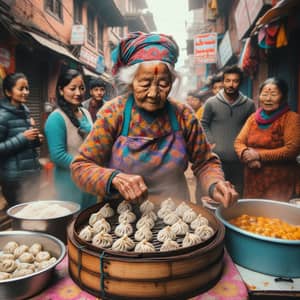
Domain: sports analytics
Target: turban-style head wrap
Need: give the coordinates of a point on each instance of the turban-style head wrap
(138, 47)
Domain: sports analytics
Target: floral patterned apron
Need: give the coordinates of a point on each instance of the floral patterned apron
(161, 161)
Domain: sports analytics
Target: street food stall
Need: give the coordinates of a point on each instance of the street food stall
(201, 270)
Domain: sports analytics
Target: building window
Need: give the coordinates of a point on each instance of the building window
(91, 27)
(100, 35)
(77, 15)
(54, 7)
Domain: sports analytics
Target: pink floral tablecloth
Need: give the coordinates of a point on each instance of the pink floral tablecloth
(230, 286)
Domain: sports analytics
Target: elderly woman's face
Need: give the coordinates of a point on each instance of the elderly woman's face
(270, 97)
(151, 86)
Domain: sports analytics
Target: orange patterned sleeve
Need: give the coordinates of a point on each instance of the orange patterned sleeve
(240, 143)
(291, 137)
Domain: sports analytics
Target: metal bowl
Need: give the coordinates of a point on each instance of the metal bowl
(267, 255)
(29, 285)
(54, 226)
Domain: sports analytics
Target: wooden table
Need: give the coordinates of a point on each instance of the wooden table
(230, 286)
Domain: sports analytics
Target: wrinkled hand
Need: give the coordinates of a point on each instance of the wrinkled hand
(131, 187)
(254, 164)
(249, 155)
(31, 134)
(225, 193)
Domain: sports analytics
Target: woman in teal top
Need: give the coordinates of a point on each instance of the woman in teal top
(65, 130)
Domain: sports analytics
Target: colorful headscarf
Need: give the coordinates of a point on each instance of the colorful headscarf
(139, 47)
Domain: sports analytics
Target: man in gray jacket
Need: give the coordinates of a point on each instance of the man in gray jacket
(223, 117)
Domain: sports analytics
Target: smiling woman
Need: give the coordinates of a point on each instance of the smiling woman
(19, 165)
(268, 145)
(65, 129)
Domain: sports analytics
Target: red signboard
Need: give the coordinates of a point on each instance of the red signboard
(205, 48)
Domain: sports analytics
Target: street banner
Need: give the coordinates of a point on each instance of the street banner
(205, 48)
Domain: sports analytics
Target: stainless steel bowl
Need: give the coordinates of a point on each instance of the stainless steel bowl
(29, 285)
(273, 256)
(54, 226)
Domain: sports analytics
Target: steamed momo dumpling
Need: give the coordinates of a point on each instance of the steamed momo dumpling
(181, 208)
(25, 265)
(168, 203)
(95, 217)
(199, 221)
(165, 234)
(144, 246)
(169, 245)
(20, 250)
(35, 248)
(145, 221)
(10, 247)
(101, 225)
(4, 275)
(123, 228)
(191, 239)
(45, 263)
(171, 218)
(8, 265)
(204, 232)
(26, 257)
(21, 272)
(102, 239)
(180, 227)
(123, 206)
(127, 216)
(144, 233)
(86, 233)
(162, 212)
(124, 243)
(42, 256)
(6, 256)
(106, 211)
(150, 214)
(189, 215)
(146, 206)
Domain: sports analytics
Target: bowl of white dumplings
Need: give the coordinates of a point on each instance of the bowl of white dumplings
(48, 216)
(27, 262)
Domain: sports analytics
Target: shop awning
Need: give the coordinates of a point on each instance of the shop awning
(281, 9)
(104, 76)
(88, 72)
(52, 45)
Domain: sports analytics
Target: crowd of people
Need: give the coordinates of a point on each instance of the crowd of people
(258, 146)
(142, 141)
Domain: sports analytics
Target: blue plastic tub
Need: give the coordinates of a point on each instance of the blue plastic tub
(276, 257)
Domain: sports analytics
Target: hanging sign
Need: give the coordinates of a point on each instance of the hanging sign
(77, 35)
(205, 48)
(88, 57)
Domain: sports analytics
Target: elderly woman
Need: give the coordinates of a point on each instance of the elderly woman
(141, 142)
(268, 145)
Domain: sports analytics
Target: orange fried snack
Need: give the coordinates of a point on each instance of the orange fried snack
(271, 227)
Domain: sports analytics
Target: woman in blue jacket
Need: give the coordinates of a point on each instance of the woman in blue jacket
(65, 130)
(19, 164)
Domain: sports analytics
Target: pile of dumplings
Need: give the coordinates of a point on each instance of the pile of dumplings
(182, 227)
(17, 260)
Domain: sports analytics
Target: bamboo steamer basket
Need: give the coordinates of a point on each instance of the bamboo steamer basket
(176, 274)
